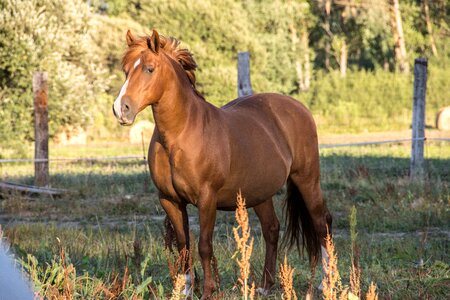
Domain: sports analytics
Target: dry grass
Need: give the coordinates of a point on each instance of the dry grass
(178, 266)
(177, 263)
(331, 281)
(178, 287)
(372, 292)
(355, 270)
(355, 278)
(244, 248)
(286, 278)
(332, 285)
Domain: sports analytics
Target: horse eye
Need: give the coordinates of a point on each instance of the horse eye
(148, 69)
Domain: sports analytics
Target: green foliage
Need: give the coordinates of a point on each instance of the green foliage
(372, 101)
(81, 48)
(50, 36)
(107, 211)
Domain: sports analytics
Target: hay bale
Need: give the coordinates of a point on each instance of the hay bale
(71, 136)
(141, 127)
(443, 119)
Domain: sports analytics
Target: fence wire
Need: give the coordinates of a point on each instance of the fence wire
(128, 174)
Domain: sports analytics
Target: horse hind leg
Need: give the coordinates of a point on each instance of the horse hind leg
(270, 228)
(308, 215)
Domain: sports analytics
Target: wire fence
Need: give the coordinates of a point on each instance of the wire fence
(130, 173)
(392, 156)
(143, 158)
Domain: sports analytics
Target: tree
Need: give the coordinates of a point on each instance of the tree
(329, 35)
(399, 37)
(426, 11)
(52, 36)
(301, 20)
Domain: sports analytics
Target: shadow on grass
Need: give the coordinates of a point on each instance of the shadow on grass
(379, 186)
(392, 213)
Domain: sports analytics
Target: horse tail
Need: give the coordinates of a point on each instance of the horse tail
(299, 223)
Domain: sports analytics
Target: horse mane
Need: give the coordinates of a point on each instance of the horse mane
(170, 46)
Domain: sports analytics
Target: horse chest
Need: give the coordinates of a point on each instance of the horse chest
(174, 175)
(184, 175)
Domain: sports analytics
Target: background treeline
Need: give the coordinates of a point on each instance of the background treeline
(350, 61)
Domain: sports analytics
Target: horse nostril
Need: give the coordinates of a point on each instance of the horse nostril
(125, 108)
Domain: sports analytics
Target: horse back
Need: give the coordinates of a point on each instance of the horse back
(287, 119)
(270, 135)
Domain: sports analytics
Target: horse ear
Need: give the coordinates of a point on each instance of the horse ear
(153, 41)
(130, 38)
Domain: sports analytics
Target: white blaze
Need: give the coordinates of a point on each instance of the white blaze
(123, 90)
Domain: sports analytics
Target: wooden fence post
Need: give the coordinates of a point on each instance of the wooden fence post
(418, 120)
(40, 93)
(244, 83)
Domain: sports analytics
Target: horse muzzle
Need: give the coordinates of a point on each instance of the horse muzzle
(123, 111)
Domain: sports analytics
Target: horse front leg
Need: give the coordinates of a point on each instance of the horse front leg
(177, 214)
(207, 219)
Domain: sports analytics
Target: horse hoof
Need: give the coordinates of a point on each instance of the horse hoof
(262, 291)
(187, 292)
(320, 288)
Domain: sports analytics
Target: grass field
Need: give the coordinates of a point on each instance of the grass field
(111, 223)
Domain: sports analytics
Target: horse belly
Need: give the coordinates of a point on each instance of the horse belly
(258, 177)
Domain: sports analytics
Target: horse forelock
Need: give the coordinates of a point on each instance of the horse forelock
(170, 46)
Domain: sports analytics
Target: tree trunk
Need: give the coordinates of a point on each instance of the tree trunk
(303, 72)
(442, 10)
(343, 53)
(328, 33)
(343, 58)
(400, 48)
(305, 44)
(426, 10)
(385, 65)
(353, 8)
(395, 36)
(300, 76)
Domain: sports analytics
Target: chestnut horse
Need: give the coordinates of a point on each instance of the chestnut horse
(203, 155)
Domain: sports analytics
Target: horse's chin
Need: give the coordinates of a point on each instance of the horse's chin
(126, 122)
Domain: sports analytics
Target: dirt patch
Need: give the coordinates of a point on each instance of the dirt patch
(377, 136)
(158, 220)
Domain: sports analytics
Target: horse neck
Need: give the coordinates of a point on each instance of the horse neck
(175, 109)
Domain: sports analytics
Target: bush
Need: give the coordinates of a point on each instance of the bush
(51, 36)
(372, 101)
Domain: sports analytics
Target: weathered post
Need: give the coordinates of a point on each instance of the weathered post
(40, 93)
(244, 84)
(418, 120)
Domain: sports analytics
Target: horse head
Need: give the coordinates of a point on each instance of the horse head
(152, 64)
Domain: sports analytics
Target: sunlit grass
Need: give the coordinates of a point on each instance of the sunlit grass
(111, 204)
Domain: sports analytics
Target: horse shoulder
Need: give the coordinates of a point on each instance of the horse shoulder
(202, 156)
(160, 170)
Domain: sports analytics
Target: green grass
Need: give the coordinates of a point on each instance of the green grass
(113, 204)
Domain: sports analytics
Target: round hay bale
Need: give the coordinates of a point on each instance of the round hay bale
(71, 136)
(443, 119)
(141, 127)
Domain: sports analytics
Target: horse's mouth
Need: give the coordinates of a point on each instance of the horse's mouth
(125, 123)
